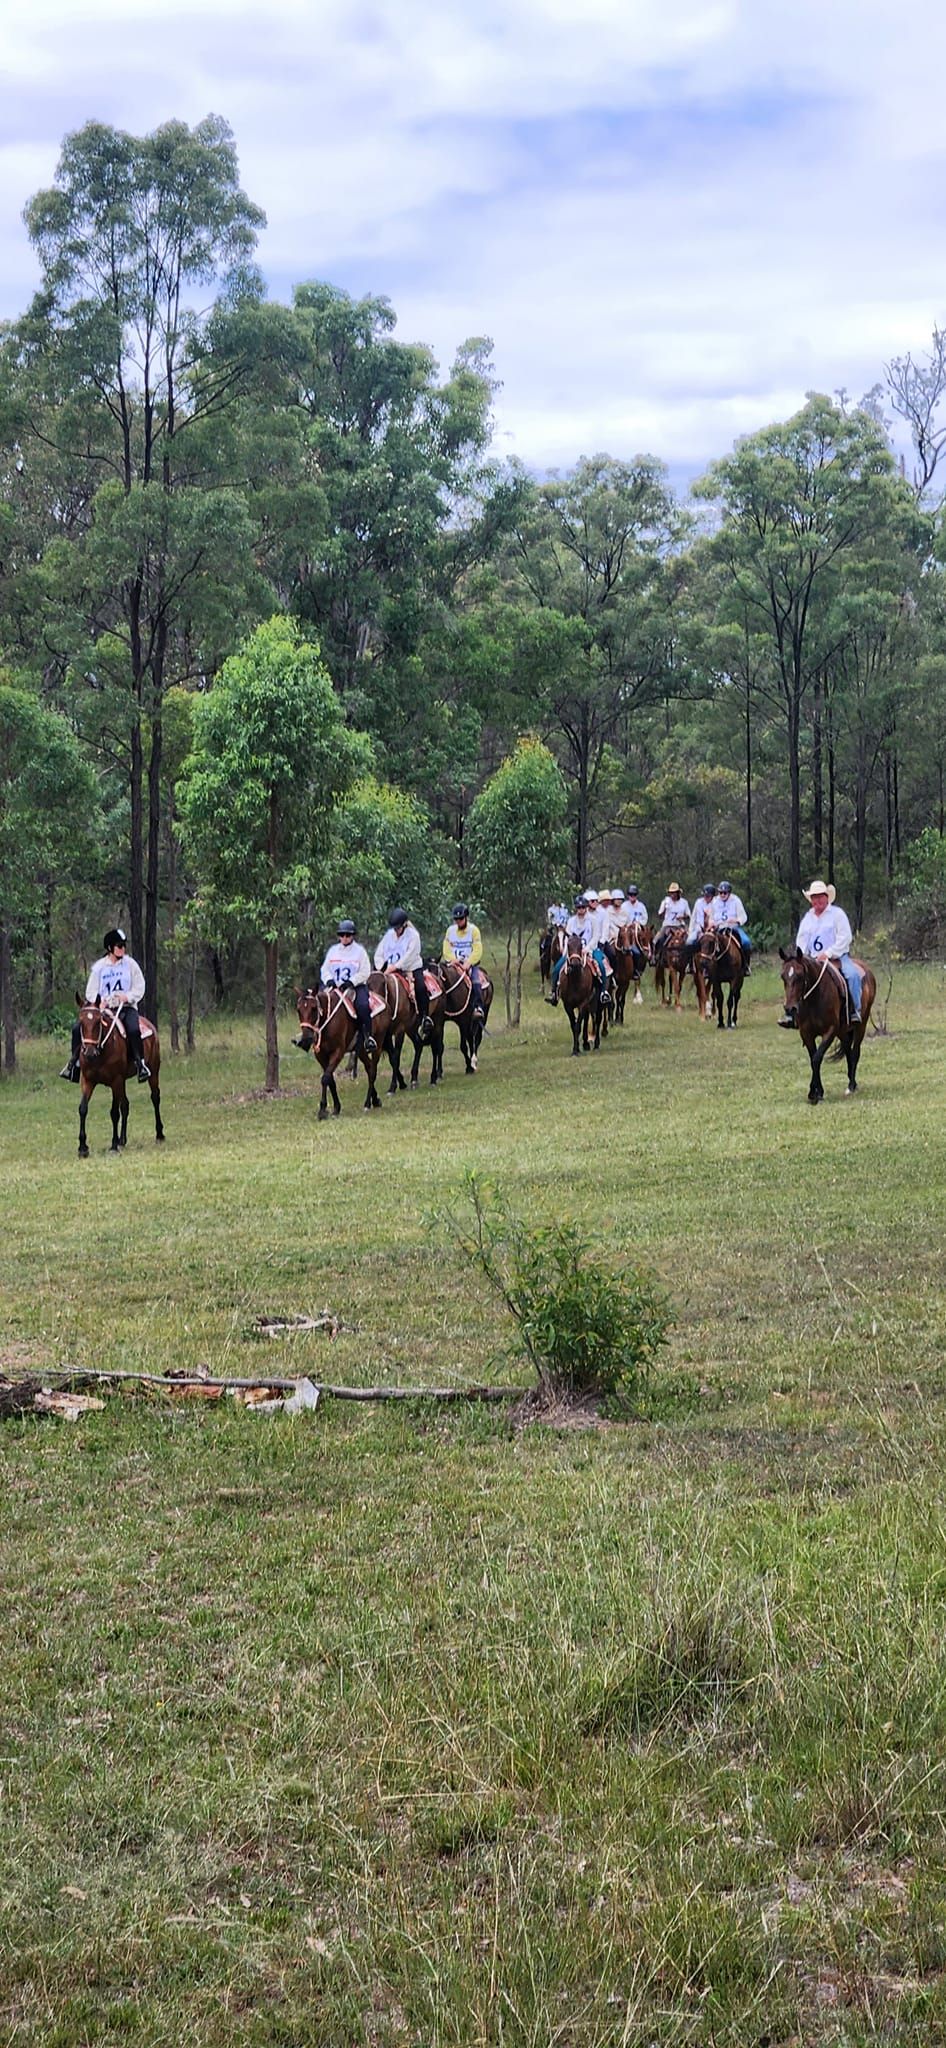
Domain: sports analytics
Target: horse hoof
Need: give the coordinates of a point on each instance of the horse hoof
(83, 1151)
(159, 1137)
(322, 1116)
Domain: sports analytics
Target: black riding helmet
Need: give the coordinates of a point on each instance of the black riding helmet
(398, 917)
(708, 889)
(346, 929)
(461, 910)
(114, 938)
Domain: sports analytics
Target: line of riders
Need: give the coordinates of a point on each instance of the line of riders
(607, 922)
(117, 984)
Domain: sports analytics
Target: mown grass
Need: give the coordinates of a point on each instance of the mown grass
(395, 1727)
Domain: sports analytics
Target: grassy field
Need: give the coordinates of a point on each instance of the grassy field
(401, 1727)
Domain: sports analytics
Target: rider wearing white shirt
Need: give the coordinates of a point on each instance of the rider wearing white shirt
(584, 924)
(116, 981)
(346, 965)
(400, 948)
(674, 911)
(699, 918)
(825, 934)
(727, 912)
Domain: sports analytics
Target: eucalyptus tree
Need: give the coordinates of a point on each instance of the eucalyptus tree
(596, 553)
(518, 846)
(797, 504)
(107, 388)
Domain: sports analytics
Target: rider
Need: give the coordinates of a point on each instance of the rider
(727, 913)
(557, 915)
(599, 910)
(400, 948)
(700, 917)
(634, 913)
(578, 926)
(825, 934)
(674, 912)
(346, 965)
(463, 945)
(118, 982)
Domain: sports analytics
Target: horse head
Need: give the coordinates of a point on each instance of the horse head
(795, 977)
(311, 1008)
(90, 1027)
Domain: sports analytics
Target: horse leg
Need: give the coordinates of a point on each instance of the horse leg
(115, 1114)
(575, 1023)
(853, 1055)
(83, 1113)
(123, 1105)
(816, 1054)
(156, 1105)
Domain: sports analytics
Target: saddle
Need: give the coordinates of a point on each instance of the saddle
(377, 1003)
(432, 985)
(144, 1025)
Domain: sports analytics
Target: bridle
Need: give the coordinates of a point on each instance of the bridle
(93, 1046)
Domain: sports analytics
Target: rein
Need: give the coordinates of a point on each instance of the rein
(826, 962)
(97, 1044)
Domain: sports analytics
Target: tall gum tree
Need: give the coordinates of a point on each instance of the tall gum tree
(796, 502)
(270, 759)
(107, 378)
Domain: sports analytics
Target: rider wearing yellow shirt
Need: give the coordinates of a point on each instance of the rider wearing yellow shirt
(463, 945)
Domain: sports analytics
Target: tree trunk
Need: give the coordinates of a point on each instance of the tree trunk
(150, 961)
(888, 830)
(271, 952)
(832, 795)
(220, 991)
(507, 977)
(581, 823)
(520, 956)
(748, 770)
(172, 934)
(49, 984)
(136, 848)
(7, 1004)
(191, 988)
(817, 777)
(794, 779)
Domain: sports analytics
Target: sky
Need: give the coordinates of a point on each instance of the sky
(673, 217)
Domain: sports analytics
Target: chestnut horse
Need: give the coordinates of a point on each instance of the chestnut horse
(330, 1030)
(458, 1007)
(104, 1056)
(671, 966)
(579, 992)
(816, 999)
(720, 959)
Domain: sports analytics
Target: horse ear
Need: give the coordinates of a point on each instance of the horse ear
(98, 1002)
(799, 955)
(782, 954)
(79, 1000)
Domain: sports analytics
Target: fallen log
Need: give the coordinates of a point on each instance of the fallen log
(323, 1387)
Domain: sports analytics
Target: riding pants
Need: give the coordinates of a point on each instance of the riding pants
(363, 1008)
(421, 996)
(598, 955)
(479, 1000)
(557, 966)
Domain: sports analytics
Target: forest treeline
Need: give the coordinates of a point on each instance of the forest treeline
(206, 495)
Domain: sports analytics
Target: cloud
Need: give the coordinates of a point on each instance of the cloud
(673, 216)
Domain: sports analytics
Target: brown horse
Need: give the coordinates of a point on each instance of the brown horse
(104, 1056)
(579, 992)
(720, 958)
(458, 1007)
(670, 966)
(330, 1030)
(634, 943)
(406, 1023)
(816, 1000)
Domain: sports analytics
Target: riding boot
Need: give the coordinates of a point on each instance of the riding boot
(787, 1023)
(70, 1072)
(141, 1066)
(367, 1043)
(553, 1000)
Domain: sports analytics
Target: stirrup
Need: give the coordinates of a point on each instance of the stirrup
(144, 1071)
(70, 1072)
(369, 1044)
(786, 1023)
(553, 1000)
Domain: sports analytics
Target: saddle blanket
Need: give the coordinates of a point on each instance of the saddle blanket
(431, 983)
(145, 1027)
(377, 1003)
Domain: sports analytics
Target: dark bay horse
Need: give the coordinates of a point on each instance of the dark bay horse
(635, 941)
(458, 1007)
(670, 967)
(551, 945)
(104, 1057)
(579, 992)
(406, 1023)
(816, 999)
(330, 1030)
(720, 958)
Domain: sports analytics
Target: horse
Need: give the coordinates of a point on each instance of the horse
(330, 1030)
(670, 966)
(104, 1055)
(720, 958)
(458, 1007)
(551, 946)
(634, 941)
(816, 999)
(704, 1000)
(406, 1023)
(579, 992)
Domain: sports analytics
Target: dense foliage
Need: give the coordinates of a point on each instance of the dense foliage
(756, 684)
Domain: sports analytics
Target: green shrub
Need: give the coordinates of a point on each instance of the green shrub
(920, 928)
(586, 1327)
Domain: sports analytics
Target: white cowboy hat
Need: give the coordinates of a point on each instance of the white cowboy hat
(820, 888)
